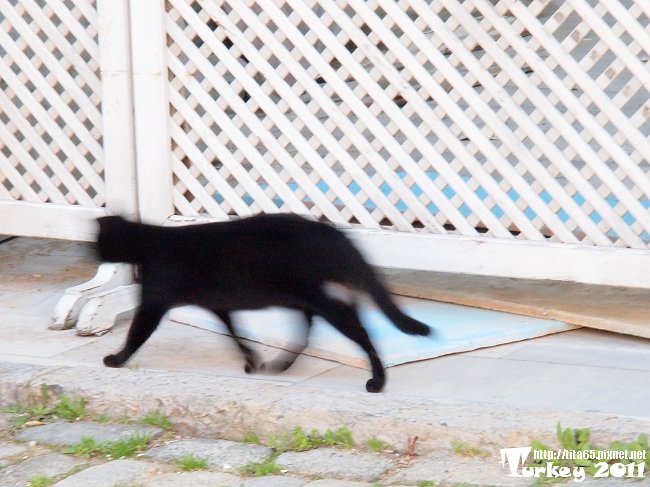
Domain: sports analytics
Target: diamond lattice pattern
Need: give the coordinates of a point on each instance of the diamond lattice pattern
(503, 118)
(50, 121)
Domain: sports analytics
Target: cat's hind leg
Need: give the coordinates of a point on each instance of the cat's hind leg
(252, 360)
(344, 318)
(144, 323)
(287, 359)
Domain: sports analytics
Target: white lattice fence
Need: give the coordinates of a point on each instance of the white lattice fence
(503, 119)
(493, 120)
(65, 110)
(478, 136)
(50, 121)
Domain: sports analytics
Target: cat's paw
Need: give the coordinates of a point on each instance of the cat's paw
(251, 368)
(374, 385)
(112, 361)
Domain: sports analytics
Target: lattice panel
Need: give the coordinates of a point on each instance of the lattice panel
(503, 118)
(50, 121)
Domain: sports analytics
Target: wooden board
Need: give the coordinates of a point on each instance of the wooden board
(618, 309)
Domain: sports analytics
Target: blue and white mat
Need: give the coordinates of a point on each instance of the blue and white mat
(458, 329)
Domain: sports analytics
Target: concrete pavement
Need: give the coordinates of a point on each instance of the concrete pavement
(499, 397)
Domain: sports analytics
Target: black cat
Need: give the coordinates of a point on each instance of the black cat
(251, 263)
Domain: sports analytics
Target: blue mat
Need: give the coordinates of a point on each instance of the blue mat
(458, 329)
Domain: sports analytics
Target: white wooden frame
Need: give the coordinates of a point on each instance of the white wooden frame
(319, 114)
(594, 257)
(494, 257)
(506, 258)
(151, 113)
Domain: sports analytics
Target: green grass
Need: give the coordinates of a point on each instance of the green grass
(193, 462)
(251, 438)
(296, 440)
(41, 481)
(299, 440)
(128, 447)
(579, 440)
(66, 408)
(341, 437)
(467, 450)
(88, 447)
(69, 409)
(157, 419)
(45, 481)
(377, 446)
(260, 469)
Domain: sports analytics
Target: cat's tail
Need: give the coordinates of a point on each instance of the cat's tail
(384, 300)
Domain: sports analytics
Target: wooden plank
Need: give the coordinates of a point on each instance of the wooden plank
(117, 108)
(49, 220)
(151, 110)
(610, 308)
(505, 258)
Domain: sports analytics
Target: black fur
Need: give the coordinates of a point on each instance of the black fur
(251, 263)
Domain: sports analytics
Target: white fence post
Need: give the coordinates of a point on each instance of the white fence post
(79, 304)
(117, 107)
(151, 110)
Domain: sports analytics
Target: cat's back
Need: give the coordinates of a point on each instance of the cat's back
(262, 242)
(264, 226)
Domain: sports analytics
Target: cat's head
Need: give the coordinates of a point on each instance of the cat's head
(115, 239)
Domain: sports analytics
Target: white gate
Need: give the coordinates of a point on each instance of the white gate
(64, 113)
(504, 137)
(470, 136)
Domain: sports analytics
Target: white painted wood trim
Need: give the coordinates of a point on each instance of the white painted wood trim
(151, 110)
(49, 220)
(521, 259)
(70, 306)
(101, 310)
(506, 258)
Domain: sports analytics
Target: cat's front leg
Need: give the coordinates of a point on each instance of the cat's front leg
(145, 322)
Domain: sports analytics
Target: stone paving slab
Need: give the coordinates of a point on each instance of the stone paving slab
(273, 481)
(472, 471)
(5, 420)
(442, 468)
(49, 465)
(328, 462)
(10, 449)
(72, 433)
(218, 453)
(610, 482)
(118, 472)
(337, 483)
(195, 479)
(463, 470)
(221, 479)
